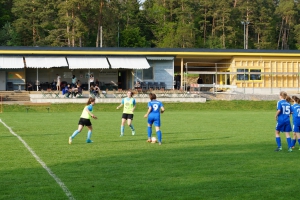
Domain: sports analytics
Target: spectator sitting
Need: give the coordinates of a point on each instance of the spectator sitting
(97, 90)
(137, 85)
(78, 91)
(53, 85)
(29, 86)
(65, 90)
(92, 90)
(97, 82)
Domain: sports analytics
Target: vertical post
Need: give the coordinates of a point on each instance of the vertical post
(181, 73)
(101, 36)
(37, 79)
(118, 34)
(244, 35)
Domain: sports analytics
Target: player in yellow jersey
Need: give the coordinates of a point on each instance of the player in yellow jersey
(129, 106)
(84, 120)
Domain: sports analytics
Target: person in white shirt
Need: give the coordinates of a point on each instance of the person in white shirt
(91, 80)
(58, 82)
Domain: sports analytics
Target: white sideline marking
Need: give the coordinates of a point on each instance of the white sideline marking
(59, 182)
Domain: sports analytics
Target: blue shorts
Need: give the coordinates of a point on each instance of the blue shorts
(296, 128)
(284, 127)
(154, 120)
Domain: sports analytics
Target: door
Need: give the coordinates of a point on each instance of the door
(2, 81)
(122, 80)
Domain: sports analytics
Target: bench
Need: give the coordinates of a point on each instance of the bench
(30, 104)
(50, 94)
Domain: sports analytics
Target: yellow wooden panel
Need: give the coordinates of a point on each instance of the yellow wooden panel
(16, 75)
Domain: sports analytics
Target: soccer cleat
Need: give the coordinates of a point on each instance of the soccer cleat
(133, 132)
(89, 141)
(122, 134)
(70, 140)
(149, 140)
(290, 149)
(278, 149)
(159, 143)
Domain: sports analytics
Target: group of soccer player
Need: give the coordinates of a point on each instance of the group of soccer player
(155, 108)
(282, 116)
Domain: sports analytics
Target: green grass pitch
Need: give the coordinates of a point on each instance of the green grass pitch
(206, 154)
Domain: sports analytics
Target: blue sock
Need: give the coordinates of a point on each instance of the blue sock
(293, 142)
(299, 141)
(149, 130)
(89, 135)
(158, 133)
(131, 127)
(122, 129)
(289, 141)
(278, 141)
(75, 133)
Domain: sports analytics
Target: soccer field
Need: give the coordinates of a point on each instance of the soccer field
(204, 155)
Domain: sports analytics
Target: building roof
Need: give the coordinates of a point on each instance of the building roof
(189, 55)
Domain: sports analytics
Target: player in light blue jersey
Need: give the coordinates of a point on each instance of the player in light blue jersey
(282, 117)
(154, 109)
(296, 120)
(129, 106)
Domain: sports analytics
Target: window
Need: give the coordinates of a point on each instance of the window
(255, 77)
(242, 77)
(148, 74)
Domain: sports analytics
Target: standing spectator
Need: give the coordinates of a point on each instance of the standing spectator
(74, 79)
(91, 80)
(85, 120)
(58, 82)
(199, 81)
(129, 106)
(154, 109)
(178, 81)
(282, 117)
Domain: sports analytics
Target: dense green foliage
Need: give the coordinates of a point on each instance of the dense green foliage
(267, 24)
(208, 154)
(209, 105)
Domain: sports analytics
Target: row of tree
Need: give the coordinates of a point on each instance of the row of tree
(224, 24)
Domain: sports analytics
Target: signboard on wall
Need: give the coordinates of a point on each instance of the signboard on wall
(68, 75)
(16, 75)
(107, 76)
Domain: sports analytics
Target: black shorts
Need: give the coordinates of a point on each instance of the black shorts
(127, 116)
(84, 122)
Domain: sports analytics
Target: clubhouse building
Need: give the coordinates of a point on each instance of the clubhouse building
(241, 71)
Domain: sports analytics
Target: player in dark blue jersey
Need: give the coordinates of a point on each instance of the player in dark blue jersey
(282, 117)
(296, 120)
(154, 109)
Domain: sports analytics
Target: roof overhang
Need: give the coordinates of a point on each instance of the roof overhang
(11, 62)
(87, 62)
(45, 61)
(128, 62)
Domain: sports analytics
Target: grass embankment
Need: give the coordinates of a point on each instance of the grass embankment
(209, 105)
